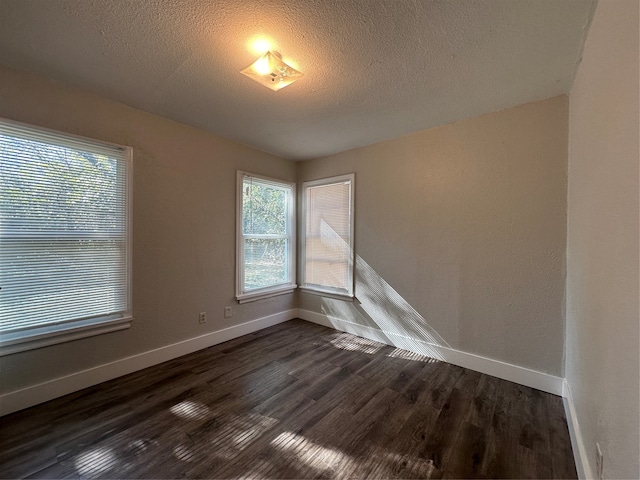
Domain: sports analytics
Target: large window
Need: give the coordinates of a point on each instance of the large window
(327, 238)
(64, 237)
(265, 237)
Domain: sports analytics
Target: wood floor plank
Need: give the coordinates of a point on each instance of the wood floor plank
(296, 400)
(469, 455)
(440, 445)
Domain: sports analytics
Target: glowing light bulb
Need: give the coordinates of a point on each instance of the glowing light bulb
(260, 45)
(262, 65)
(270, 71)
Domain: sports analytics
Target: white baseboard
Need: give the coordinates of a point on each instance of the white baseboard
(577, 442)
(35, 394)
(524, 376)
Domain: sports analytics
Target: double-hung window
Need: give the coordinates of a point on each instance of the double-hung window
(265, 237)
(327, 239)
(64, 237)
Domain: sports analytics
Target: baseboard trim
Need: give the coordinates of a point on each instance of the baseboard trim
(20, 399)
(524, 376)
(577, 442)
(27, 397)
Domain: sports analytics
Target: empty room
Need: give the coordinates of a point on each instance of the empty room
(319, 239)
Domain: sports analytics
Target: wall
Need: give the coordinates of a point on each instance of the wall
(183, 225)
(460, 235)
(602, 364)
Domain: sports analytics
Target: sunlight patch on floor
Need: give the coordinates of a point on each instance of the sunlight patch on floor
(356, 344)
(95, 461)
(188, 410)
(381, 462)
(235, 433)
(310, 453)
(184, 453)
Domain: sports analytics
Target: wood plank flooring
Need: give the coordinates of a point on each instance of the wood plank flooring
(296, 400)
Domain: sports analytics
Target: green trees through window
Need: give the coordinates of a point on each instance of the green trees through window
(265, 246)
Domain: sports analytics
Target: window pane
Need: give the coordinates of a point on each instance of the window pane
(328, 250)
(265, 262)
(63, 229)
(57, 189)
(264, 208)
(50, 282)
(265, 237)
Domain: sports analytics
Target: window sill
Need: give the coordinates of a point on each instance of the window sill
(253, 297)
(323, 293)
(45, 336)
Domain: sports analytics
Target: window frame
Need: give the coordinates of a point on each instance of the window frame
(243, 296)
(74, 329)
(326, 291)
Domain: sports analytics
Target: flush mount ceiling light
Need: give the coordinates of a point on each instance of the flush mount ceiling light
(269, 70)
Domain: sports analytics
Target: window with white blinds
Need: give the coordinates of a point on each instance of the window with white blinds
(327, 244)
(64, 235)
(265, 237)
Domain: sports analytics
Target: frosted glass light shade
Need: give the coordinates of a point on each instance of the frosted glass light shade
(269, 70)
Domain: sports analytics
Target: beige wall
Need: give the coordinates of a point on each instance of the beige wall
(184, 225)
(460, 234)
(602, 365)
(460, 230)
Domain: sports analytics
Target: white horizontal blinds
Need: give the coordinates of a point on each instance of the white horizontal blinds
(328, 243)
(63, 229)
(266, 233)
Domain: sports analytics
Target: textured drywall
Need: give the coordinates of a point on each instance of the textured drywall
(183, 225)
(374, 69)
(603, 356)
(460, 235)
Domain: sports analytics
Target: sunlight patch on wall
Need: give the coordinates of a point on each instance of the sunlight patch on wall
(343, 316)
(407, 355)
(389, 309)
(381, 307)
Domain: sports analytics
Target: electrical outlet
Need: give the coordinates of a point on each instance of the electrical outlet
(227, 312)
(202, 318)
(599, 461)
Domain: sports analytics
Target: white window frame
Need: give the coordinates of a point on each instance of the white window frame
(74, 329)
(348, 294)
(243, 296)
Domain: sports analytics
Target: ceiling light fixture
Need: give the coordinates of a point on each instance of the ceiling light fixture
(269, 70)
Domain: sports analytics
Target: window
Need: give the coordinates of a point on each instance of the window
(64, 237)
(327, 246)
(265, 237)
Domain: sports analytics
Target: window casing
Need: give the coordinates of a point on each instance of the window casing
(327, 254)
(64, 237)
(265, 247)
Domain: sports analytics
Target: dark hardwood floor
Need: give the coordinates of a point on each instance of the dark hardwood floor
(296, 400)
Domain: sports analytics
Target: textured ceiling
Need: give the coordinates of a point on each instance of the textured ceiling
(374, 69)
